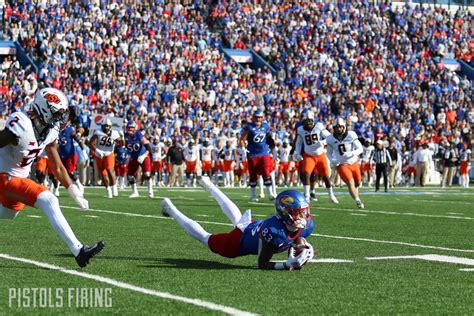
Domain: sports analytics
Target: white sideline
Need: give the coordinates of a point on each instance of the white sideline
(317, 235)
(123, 285)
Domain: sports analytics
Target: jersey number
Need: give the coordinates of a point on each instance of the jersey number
(311, 139)
(105, 141)
(342, 149)
(30, 157)
(259, 138)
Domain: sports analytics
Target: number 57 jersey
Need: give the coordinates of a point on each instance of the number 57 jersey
(16, 160)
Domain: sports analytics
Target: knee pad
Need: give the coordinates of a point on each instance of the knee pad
(146, 176)
(131, 179)
(253, 184)
(45, 199)
(267, 181)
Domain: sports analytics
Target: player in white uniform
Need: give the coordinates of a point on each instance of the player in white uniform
(103, 143)
(465, 160)
(242, 166)
(206, 150)
(191, 156)
(230, 156)
(158, 155)
(344, 149)
(284, 158)
(311, 137)
(25, 136)
(366, 167)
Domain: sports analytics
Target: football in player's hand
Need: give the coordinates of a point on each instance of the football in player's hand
(299, 244)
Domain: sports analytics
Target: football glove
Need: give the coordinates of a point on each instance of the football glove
(99, 153)
(76, 194)
(298, 157)
(298, 261)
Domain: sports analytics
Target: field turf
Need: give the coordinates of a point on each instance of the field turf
(410, 251)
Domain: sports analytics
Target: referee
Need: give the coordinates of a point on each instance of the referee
(381, 158)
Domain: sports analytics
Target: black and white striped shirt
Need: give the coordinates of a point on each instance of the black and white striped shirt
(381, 156)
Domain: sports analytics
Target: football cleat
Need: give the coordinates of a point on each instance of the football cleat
(360, 204)
(134, 195)
(313, 197)
(206, 183)
(332, 198)
(88, 252)
(150, 194)
(272, 198)
(262, 196)
(254, 199)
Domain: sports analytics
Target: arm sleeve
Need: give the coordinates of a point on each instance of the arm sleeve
(357, 148)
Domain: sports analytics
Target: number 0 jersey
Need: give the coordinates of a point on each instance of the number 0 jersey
(313, 140)
(345, 150)
(106, 142)
(16, 160)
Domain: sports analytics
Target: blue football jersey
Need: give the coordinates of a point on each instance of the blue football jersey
(121, 154)
(257, 140)
(134, 145)
(274, 232)
(66, 142)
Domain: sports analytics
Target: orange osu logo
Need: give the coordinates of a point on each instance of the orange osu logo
(52, 98)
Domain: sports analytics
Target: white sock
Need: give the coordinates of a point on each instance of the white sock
(150, 186)
(270, 190)
(191, 227)
(134, 188)
(306, 190)
(330, 191)
(260, 184)
(47, 202)
(357, 200)
(253, 192)
(109, 192)
(227, 206)
(115, 189)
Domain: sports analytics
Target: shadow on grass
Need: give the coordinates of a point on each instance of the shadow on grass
(170, 262)
(192, 264)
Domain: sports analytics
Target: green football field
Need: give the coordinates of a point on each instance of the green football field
(408, 252)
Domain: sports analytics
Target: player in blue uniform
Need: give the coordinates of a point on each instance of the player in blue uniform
(67, 152)
(259, 142)
(139, 151)
(263, 238)
(121, 159)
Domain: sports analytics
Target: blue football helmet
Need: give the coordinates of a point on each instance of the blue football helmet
(257, 113)
(292, 209)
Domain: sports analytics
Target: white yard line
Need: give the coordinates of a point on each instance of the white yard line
(394, 213)
(318, 235)
(34, 216)
(131, 287)
(441, 201)
(91, 216)
(435, 258)
(467, 270)
(355, 214)
(395, 243)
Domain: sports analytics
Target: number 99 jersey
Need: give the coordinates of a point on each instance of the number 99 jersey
(17, 160)
(106, 142)
(313, 140)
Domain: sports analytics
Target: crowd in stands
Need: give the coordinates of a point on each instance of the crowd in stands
(159, 63)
